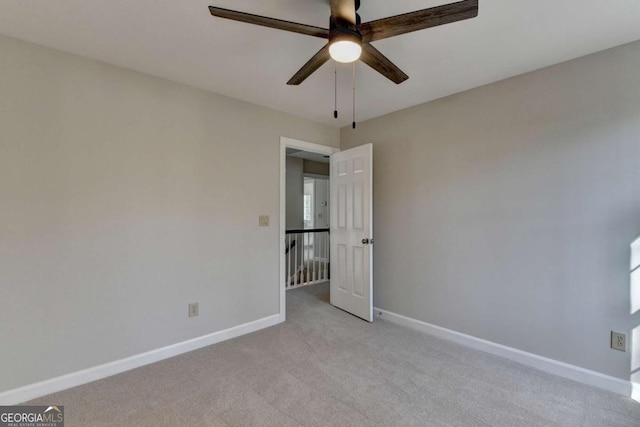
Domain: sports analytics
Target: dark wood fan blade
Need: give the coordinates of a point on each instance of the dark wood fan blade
(376, 60)
(344, 10)
(269, 22)
(312, 65)
(419, 20)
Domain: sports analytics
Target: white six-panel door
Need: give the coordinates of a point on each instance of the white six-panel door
(352, 231)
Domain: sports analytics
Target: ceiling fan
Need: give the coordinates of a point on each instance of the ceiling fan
(350, 39)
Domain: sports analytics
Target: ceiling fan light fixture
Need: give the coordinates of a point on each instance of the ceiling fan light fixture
(345, 46)
(345, 51)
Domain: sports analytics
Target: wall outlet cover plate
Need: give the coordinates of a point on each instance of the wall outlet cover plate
(618, 341)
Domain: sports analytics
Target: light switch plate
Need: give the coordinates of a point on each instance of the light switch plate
(193, 309)
(263, 220)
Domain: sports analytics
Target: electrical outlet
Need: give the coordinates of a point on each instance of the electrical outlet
(193, 309)
(263, 221)
(618, 341)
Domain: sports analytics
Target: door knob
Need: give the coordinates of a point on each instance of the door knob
(365, 241)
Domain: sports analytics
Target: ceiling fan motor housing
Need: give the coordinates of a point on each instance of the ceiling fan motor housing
(343, 34)
(343, 30)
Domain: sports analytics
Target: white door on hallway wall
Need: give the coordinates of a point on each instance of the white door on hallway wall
(352, 231)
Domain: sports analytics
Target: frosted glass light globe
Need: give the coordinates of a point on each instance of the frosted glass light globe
(345, 51)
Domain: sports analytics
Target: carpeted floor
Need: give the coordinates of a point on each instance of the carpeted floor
(324, 367)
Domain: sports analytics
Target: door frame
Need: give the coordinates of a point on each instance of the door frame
(300, 145)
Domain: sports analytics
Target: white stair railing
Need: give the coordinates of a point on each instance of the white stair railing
(306, 257)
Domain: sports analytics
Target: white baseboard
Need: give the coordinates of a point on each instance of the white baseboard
(541, 363)
(32, 391)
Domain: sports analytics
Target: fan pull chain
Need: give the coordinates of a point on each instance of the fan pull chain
(335, 90)
(353, 124)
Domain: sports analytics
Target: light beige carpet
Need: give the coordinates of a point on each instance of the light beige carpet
(324, 367)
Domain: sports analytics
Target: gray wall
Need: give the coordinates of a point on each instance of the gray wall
(506, 212)
(315, 168)
(123, 198)
(294, 216)
(322, 213)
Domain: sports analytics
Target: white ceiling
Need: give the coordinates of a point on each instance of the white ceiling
(307, 155)
(180, 41)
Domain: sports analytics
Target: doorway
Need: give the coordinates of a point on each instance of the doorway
(304, 215)
(350, 239)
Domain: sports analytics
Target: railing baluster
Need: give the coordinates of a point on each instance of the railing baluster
(321, 252)
(295, 263)
(320, 248)
(305, 264)
(319, 255)
(305, 260)
(320, 260)
(288, 279)
(311, 243)
(326, 257)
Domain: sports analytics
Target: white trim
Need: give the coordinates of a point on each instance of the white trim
(541, 363)
(33, 391)
(300, 145)
(635, 391)
(315, 176)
